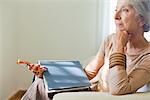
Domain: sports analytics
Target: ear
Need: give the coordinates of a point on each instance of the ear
(141, 21)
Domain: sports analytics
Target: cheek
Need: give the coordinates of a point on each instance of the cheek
(129, 19)
(126, 20)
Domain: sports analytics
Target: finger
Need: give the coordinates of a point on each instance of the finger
(44, 68)
(39, 69)
(35, 72)
(30, 66)
(35, 69)
(125, 32)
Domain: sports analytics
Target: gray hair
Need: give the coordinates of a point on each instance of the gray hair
(143, 9)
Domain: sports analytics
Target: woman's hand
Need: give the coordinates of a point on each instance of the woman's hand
(37, 70)
(120, 41)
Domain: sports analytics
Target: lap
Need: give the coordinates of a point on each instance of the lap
(37, 91)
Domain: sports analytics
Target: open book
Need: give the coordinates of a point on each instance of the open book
(64, 76)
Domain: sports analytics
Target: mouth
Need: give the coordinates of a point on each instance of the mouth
(118, 22)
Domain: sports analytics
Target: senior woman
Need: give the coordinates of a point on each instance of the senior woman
(127, 52)
(123, 59)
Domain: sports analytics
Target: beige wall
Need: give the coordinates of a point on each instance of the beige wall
(0, 54)
(44, 29)
(8, 52)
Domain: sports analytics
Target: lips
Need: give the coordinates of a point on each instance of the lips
(118, 22)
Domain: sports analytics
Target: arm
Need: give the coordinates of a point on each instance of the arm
(93, 67)
(121, 83)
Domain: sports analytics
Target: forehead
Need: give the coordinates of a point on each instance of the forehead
(123, 3)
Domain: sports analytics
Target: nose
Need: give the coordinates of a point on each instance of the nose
(117, 15)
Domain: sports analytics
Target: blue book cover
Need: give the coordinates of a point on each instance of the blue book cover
(64, 75)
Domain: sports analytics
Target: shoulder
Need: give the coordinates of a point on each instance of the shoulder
(109, 38)
(106, 45)
(144, 57)
(148, 47)
(146, 51)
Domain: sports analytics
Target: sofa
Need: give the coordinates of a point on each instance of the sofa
(100, 96)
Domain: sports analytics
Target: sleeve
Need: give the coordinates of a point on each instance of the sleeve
(121, 83)
(103, 46)
(93, 67)
(106, 45)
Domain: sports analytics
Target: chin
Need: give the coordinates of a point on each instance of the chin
(120, 29)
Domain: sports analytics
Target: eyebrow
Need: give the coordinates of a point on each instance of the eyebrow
(124, 6)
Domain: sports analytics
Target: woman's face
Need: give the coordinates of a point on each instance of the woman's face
(126, 17)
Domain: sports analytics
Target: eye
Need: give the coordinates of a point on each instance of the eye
(124, 10)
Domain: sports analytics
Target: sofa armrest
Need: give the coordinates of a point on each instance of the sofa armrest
(100, 96)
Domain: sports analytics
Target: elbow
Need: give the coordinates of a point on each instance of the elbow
(90, 74)
(115, 92)
(116, 89)
(120, 91)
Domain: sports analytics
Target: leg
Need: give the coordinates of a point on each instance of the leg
(36, 91)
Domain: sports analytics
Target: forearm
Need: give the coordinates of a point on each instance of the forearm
(122, 83)
(117, 63)
(93, 67)
(118, 81)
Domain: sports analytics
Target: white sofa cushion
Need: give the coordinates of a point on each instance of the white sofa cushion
(100, 96)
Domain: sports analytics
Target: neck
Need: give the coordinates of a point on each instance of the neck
(136, 42)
